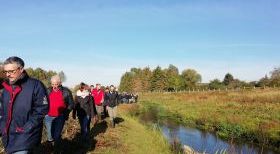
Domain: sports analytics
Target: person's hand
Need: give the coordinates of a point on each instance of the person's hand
(94, 120)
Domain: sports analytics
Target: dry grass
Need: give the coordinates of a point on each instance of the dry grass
(249, 115)
(129, 136)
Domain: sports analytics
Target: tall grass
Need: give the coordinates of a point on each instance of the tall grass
(247, 115)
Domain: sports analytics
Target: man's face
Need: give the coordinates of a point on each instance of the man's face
(112, 88)
(98, 87)
(91, 88)
(55, 84)
(12, 71)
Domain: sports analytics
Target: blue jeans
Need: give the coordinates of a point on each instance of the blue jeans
(48, 124)
(85, 126)
(54, 127)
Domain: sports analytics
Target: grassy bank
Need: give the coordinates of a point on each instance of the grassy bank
(129, 136)
(252, 115)
(137, 138)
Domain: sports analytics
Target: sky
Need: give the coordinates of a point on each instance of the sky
(99, 40)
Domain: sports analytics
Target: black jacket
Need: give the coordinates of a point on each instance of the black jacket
(111, 99)
(84, 106)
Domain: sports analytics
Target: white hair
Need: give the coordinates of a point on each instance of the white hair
(56, 78)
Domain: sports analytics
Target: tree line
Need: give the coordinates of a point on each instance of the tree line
(169, 79)
(38, 73)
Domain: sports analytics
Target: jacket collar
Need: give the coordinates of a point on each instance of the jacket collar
(12, 89)
(60, 88)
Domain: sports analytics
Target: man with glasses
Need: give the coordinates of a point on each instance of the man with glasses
(23, 107)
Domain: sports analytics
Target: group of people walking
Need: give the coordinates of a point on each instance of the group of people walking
(26, 105)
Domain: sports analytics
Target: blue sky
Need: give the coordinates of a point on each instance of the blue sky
(98, 40)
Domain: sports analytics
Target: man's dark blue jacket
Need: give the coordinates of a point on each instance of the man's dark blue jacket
(23, 107)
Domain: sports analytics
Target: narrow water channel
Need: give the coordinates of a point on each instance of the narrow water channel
(198, 140)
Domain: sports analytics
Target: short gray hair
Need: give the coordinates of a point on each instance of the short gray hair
(14, 60)
(56, 78)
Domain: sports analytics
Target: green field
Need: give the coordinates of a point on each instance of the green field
(245, 115)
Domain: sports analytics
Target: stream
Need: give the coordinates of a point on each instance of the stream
(200, 141)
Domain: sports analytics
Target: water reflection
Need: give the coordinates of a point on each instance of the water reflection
(207, 142)
(200, 141)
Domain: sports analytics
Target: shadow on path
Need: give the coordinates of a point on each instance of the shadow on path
(76, 145)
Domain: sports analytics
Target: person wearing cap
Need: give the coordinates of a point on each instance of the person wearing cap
(23, 107)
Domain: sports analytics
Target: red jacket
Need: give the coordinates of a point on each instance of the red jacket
(98, 96)
(57, 105)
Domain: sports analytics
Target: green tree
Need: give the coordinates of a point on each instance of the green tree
(146, 79)
(275, 77)
(42, 75)
(158, 80)
(136, 80)
(173, 77)
(142, 80)
(228, 79)
(236, 83)
(265, 81)
(126, 83)
(190, 78)
(216, 84)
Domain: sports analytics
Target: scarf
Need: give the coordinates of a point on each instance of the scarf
(83, 93)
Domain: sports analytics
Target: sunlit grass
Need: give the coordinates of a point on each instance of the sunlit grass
(129, 137)
(246, 115)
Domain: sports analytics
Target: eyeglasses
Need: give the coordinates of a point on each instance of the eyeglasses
(11, 72)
